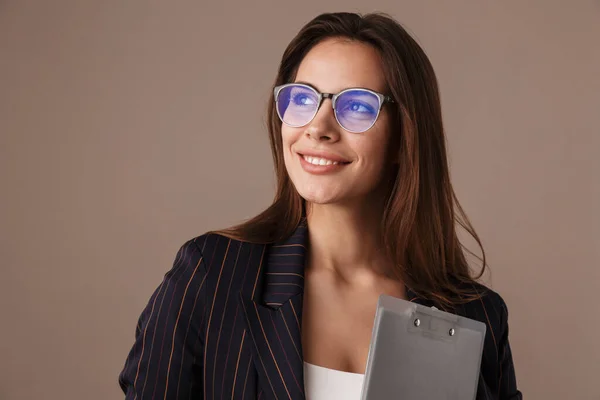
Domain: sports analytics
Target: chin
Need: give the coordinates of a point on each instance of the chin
(319, 196)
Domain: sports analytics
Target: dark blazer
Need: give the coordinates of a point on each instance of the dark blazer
(225, 324)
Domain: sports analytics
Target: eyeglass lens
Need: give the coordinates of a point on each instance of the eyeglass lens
(355, 110)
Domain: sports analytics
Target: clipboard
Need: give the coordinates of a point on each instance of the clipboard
(418, 353)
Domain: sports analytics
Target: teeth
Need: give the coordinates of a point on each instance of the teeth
(319, 161)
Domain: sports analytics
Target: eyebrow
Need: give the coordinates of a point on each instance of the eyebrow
(308, 84)
(349, 87)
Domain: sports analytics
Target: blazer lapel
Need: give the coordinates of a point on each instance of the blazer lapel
(273, 313)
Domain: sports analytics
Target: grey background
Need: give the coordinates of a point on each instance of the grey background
(115, 115)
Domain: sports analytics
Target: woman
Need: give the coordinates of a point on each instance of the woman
(364, 206)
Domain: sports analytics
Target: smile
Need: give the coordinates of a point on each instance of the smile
(319, 165)
(319, 161)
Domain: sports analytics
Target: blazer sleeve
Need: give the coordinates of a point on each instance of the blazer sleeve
(507, 378)
(166, 359)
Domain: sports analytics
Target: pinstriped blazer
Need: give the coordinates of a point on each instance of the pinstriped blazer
(225, 323)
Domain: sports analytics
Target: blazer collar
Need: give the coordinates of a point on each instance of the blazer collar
(273, 313)
(284, 271)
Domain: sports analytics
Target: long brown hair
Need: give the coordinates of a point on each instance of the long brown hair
(419, 222)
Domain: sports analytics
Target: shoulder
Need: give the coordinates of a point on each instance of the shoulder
(205, 249)
(216, 249)
(497, 368)
(222, 260)
(489, 308)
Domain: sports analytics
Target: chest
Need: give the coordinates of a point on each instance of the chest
(337, 323)
(252, 351)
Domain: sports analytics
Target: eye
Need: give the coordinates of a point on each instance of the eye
(359, 107)
(302, 99)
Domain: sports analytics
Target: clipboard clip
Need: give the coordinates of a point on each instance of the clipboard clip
(434, 324)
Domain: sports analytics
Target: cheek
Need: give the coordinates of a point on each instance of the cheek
(289, 136)
(372, 151)
(287, 140)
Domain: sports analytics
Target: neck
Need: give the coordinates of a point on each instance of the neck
(346, 239)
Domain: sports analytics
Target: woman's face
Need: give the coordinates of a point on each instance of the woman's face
(331, 66)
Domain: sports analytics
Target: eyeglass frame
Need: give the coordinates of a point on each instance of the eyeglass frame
(333, 96)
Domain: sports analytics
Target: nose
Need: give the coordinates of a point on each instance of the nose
(324, 126)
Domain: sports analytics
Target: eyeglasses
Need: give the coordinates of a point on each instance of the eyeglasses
(355, 109)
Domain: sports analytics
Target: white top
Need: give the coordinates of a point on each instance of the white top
(322, 383)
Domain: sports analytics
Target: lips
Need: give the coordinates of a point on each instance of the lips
(322, 157)
(321, 163)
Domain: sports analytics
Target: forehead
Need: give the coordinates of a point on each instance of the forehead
(337, 64)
